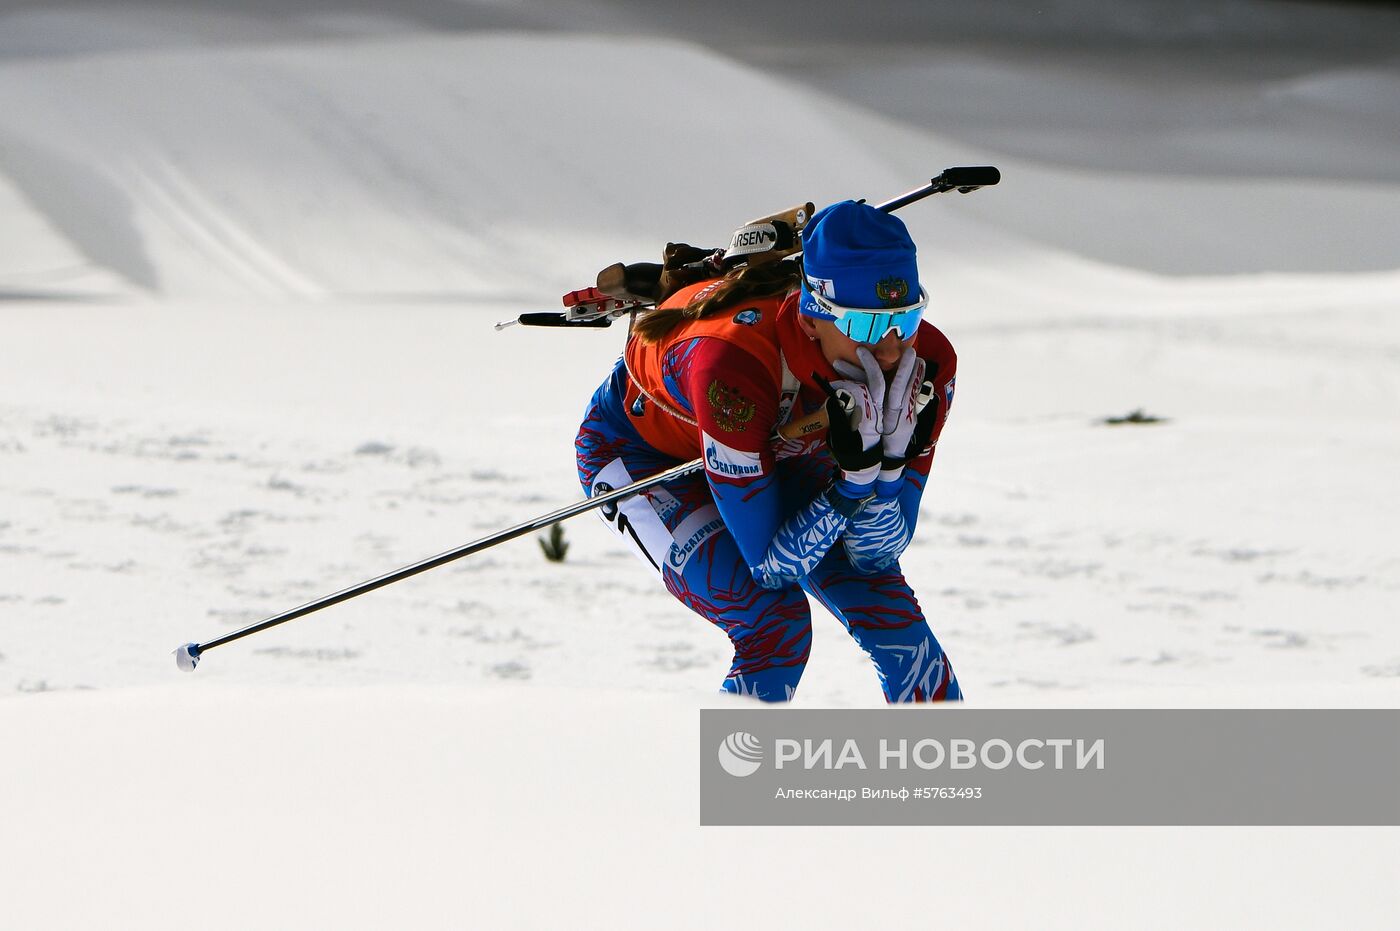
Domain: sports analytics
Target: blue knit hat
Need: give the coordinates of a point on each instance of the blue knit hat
(857, 256)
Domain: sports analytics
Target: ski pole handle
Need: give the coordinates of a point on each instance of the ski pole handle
(811, 423)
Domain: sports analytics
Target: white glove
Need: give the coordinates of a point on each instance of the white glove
(867, 373)
(899, 414)
(854, 432)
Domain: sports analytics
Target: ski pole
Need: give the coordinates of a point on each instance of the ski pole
(187, 656)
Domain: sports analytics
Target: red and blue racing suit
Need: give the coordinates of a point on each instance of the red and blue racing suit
(740, 544)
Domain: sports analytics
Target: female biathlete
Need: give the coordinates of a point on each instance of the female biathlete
(737, 370)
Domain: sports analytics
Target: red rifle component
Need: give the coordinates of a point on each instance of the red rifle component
(592, 303)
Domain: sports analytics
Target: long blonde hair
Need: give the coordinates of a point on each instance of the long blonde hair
(744, 283)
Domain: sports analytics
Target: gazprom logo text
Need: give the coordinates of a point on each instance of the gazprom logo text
(724, 467)
(733, 463)
(688, 540)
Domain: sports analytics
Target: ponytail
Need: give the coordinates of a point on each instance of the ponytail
(744, 283)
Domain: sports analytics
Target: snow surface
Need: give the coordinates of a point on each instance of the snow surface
(250, 265)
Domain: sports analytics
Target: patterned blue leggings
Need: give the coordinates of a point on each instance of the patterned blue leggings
(677, 531)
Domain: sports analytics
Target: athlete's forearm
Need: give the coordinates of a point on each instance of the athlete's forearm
(801, 542)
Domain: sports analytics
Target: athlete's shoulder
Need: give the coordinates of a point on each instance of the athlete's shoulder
(753, 365)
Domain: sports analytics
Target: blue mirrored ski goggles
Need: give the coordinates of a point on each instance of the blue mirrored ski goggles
(870, 325)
